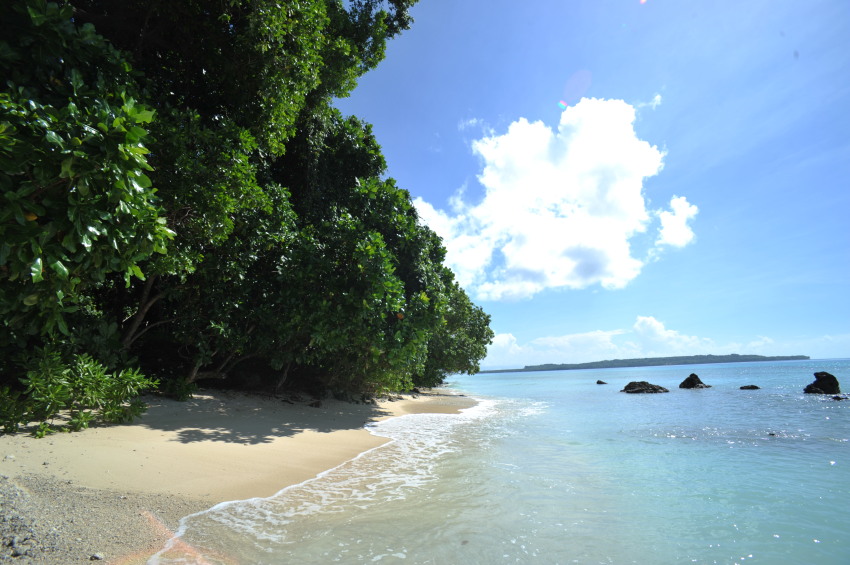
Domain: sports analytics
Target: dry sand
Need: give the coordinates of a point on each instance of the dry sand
(118, 492)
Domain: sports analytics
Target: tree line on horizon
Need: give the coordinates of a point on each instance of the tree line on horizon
(652, 362)
(181, 201)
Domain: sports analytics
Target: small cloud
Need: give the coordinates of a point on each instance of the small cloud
(470, 123)
(829, 346)
(505, 351)
(656, 339)
(654, 103)
(758, 344)
(647, 337)
(505, 342)
(674, 230)
(572, 345)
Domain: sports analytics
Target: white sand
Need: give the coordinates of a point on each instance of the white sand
(182, 457)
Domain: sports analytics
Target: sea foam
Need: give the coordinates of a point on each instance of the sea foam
(390, 472)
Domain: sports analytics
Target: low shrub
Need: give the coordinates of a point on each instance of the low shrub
(80, 392)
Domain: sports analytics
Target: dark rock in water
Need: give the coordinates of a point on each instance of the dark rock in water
(839, 397)
(750, 387)
(636, 387)
(601, 383)
(693, 382)
(824, 384)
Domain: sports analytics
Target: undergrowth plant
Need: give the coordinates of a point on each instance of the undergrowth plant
(82, 391)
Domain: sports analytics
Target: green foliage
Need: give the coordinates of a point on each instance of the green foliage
(209, 178)
(81, 392)
(251, 63)
(112, 396)
(272, 235)
(460, 341)
(75, 201)
(47, 385)
(359, 31)
(325, 160)
(347, 325)
(100, 338)
(178, 389)
(223, 312)
(13, 409)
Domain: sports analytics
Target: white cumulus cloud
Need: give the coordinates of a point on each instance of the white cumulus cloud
(656, 340)
(560, 207)
(674, 229)
(646, 337)
(507, 352)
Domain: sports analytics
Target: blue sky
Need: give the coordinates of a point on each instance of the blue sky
(693, 197)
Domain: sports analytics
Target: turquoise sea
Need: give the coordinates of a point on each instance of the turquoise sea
(550, 467)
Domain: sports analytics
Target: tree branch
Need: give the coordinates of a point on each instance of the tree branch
(144, 305)
(149, 327)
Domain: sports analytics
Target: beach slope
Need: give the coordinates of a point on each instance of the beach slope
(118, 492)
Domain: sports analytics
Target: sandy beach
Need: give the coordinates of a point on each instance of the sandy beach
(117, 493)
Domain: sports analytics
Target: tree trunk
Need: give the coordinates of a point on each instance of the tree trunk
(193, 374)
(282, 378)
(145, 304)
(219, 372)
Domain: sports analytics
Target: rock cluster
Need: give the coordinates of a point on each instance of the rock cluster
(824, 384)
(693, 381)
(638, 387)
(18, 537)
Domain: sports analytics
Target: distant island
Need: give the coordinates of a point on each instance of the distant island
(652, 362)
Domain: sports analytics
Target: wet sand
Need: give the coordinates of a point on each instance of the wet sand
(118, 492)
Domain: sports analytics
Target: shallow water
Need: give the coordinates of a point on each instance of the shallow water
(552, 468)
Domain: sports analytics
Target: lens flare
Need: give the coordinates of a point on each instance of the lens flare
(576, 87)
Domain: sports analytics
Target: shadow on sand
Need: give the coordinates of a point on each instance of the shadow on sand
(236, 417)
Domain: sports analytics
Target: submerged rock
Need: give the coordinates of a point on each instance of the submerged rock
(637, 387)
(750, 387)
(693, 382)
(824, 384)
(601, 383)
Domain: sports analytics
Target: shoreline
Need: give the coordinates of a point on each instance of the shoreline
(118, 492)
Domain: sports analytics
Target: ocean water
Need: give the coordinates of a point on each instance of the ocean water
(550, 467)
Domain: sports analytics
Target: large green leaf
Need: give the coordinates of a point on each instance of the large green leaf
(36, 270)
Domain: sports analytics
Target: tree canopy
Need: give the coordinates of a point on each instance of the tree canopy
(178, 194)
